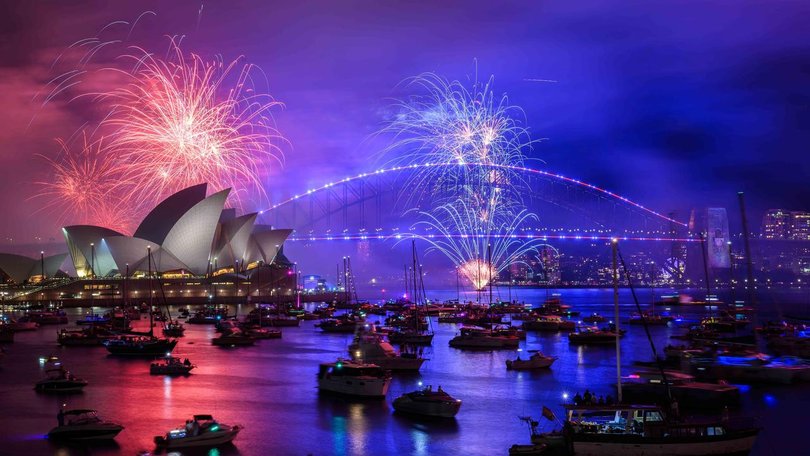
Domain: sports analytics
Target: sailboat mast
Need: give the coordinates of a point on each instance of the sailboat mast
(749, 270)
(614, 247)
(703, 248)
(149, 262)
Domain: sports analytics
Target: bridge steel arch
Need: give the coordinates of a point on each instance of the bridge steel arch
(380, 204)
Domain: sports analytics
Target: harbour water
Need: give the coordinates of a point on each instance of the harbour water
(271, 390)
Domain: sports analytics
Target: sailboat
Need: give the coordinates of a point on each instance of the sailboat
(418, 334)
(629, 430)
(145, 344)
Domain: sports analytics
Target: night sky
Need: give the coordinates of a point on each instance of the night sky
(672, 104)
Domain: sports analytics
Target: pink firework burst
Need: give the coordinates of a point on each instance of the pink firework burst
(183, 121)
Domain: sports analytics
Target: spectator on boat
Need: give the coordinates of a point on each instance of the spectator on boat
(577, 399)
(675, 410)
(601, 400)
(587, 397)
(187, 362)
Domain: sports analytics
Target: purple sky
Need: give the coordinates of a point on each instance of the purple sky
(672, 104)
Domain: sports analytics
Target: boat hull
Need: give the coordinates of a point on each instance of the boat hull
(522, 364)
(363, 388)
(737, 445)
(205, 440)
(85, 432)
(430, 409)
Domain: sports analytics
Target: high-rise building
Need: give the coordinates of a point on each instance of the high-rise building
(775, 224)
(800, 225)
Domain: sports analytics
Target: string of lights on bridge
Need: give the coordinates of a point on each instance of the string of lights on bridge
(488, 165)
(365, 236)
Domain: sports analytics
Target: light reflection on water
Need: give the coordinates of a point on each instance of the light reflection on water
(271, 389)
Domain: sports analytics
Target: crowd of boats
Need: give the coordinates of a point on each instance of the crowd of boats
(713, 355)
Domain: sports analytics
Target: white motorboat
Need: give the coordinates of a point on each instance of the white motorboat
(201, 431)
(427, 402)
(354, 379)
(83, 424)
(171, 365)
(373, 348)
(536, 361)
(473, 337)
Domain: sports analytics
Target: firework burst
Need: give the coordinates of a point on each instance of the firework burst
(82, 188)
(449, 123)
(179, 122)
(168, 123)
(480, 244)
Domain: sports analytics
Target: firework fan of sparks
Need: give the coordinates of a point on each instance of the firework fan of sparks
(449, 123)
(480, 244)
(83, 184)
(168, 123)
(178, 122)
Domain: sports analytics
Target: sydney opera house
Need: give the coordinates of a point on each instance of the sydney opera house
(197, 247)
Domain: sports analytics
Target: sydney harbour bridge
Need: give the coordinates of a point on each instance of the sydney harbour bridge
(384, 207)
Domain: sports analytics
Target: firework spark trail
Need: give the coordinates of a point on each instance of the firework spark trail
(489, 242)
(81, 187)
(178, 122)
(168, 123)
(450, 123)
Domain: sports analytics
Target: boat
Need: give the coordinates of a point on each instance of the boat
(94, 319)
(60, 380)
(649, 385)
(536, 361)
(758, 368)
(171, 365)
(592, 336)
(410, 337)
(473, 337)
(650, 319)
(145, 345)
(630, 430)
(91, 336)
(413, 327)
(372, 347)
(173, 328)
(263, 333)
(48, 317)
(547, 323)
(200, 431)
(83, 424)
(344, 324)
(234, 338)
(594, 318)
(426, 402)
(22, 324)
(352, 378)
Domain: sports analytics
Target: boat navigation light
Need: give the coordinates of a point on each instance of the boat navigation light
(565, 396)
(420, 383)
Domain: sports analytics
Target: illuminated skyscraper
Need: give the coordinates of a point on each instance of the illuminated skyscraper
(775, 224)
